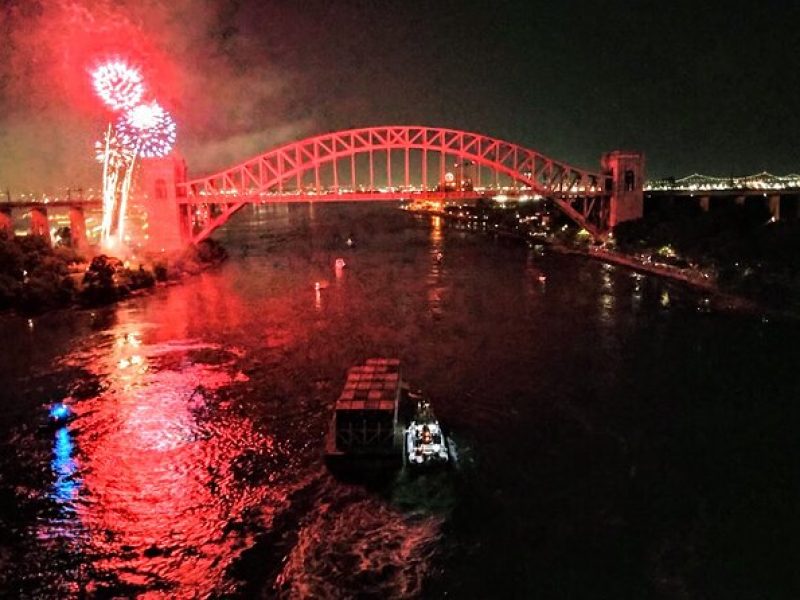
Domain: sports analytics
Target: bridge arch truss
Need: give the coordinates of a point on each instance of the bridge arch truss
(400, 157)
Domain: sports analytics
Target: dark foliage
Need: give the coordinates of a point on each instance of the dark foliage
(34, 276)
(107, 280)
(100, 281)
(160, 271)
(751, 254)
(198, 257)
(210, 252)
(136, 279)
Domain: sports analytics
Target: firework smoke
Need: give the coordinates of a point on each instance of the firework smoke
(220, 83)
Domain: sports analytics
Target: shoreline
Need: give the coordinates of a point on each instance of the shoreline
(106, 280)
(693, 279)
(77, 305)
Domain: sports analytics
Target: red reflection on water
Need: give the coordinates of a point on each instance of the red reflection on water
(208, 304)
(147, 489)
(436, 290)
(158, 495)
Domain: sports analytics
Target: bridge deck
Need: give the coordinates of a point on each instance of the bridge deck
(52, 204)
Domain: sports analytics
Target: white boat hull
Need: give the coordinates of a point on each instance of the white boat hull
(425, 445)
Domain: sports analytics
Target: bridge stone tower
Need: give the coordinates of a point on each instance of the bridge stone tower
(167, 225)
(624, 173)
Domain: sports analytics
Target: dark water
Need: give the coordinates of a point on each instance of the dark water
(615, 440)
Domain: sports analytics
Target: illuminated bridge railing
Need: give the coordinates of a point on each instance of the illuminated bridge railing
(346, 195)
(58, 198)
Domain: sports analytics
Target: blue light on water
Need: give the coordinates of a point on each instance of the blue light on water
(64, 468)
(59, 412)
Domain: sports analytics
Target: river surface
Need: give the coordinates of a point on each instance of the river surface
(615, 437)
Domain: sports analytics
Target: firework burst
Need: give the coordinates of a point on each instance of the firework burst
(143, 129)
(113, 153)
(113, 163)
(148, 130)
(118, 84)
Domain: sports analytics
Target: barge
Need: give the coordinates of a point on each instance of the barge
(367, 429)
(378, 423)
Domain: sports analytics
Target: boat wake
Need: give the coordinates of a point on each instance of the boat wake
(357, 545)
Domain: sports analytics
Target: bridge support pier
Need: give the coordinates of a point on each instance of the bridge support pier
(77, 228)
(167, 220)
(774, 203)
(705, 203)
(6, 222)
(39, 223)
(185, 222)
(625, 183)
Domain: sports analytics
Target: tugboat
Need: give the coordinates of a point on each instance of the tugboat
(380, 425)
(425, 442)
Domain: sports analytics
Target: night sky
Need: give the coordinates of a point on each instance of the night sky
(714, 89)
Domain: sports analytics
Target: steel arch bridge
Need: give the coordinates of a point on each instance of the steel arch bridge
(355, 161)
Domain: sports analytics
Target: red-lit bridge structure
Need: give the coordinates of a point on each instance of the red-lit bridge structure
(405, 162)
